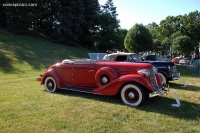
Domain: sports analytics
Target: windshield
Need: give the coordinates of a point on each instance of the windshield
(98, 56)
(135, 57)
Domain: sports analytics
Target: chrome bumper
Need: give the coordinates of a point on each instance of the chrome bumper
(177, 76)
(38, 79)
(160, 92)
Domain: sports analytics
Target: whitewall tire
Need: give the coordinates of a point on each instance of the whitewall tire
(50, 84)
(133, 95)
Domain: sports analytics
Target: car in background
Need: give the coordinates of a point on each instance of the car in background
(165, 68)
(176, 59)
(168, 58)
(185, 60)
(151, 58)
(133, 81)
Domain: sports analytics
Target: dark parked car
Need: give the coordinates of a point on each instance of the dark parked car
(165, 68)
(151, 58)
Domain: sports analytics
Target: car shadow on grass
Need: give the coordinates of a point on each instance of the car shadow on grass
(161, 105)
(5, 63)
(110, 99)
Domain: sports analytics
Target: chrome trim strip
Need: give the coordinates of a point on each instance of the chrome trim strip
(153, 80)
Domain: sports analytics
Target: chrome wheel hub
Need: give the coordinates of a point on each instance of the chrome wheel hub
(50, 84)
(104, 80)
(131, 95)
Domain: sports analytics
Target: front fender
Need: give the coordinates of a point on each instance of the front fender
(54, 74)
(113, 87)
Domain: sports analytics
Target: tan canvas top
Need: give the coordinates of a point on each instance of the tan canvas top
(113, 56)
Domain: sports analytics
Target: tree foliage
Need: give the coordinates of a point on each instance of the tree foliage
(183, 44)
(70, 22)
(175, 31)
(106, 36)
(87, 23)
(138, 39)
(120, 36)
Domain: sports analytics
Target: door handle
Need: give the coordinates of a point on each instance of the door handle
(90, 70)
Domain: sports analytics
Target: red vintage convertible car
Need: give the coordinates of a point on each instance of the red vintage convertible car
(134, 81)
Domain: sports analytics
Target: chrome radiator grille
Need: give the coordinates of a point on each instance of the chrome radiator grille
(153, 79)
(173, 69)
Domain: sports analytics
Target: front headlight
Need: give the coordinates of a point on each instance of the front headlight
(144, 72)
(155, 69)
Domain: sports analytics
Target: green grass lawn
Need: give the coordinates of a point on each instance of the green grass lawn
(26, 107)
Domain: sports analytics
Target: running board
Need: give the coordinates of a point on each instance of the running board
(77, 89)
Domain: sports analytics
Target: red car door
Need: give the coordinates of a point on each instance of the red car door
(65, 71)
(84, 75)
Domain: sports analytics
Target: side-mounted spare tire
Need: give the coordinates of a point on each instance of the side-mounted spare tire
(104, 76)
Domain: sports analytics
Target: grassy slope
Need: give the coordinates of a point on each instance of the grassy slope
(32, 53)
(26, 107)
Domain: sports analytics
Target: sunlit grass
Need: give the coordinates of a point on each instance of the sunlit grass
(26, 107)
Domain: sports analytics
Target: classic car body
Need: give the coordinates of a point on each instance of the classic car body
(134, 81)
(166, 69)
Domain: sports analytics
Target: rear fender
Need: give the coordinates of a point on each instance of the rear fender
(53, 74)
(113, 87)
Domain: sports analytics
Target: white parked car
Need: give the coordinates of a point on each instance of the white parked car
(184, 61)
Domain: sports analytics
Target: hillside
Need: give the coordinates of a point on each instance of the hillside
(18, 54)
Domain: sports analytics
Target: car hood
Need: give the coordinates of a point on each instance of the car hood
(126, 65)
(160, 63)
